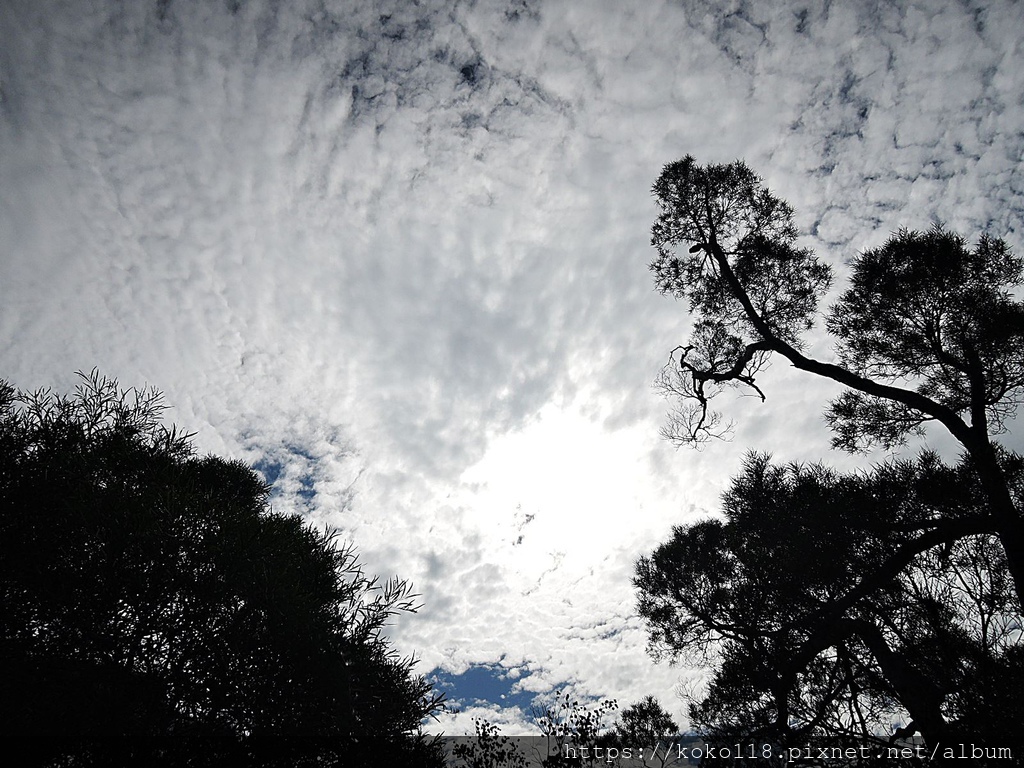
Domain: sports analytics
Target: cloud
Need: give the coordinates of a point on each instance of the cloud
(394, 254)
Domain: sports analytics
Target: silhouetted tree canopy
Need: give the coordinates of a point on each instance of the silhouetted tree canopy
(823, 628)
(925, 309)
(649, 732)
(831, 605)
(157, 612)
(928, 331)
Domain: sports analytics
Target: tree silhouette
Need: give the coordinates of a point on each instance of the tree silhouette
(489, 749)
(831, 605)
(929, 330)
(580, 734)
(156, 611)
(645, 728)
(816, 635)
(575, 730)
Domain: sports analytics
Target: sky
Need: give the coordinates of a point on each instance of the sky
(394, 254)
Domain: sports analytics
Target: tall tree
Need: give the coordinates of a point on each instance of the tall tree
(826, 603)
(156, 611)
(929, 330)
(815, 635)
(646, 728)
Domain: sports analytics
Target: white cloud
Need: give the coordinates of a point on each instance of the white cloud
(399, 250)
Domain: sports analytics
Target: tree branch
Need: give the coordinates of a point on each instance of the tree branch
(837, 373)
(945, 532)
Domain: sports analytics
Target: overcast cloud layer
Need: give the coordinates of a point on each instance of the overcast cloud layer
(395, 255)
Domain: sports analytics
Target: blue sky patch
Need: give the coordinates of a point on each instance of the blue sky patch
(481, 685)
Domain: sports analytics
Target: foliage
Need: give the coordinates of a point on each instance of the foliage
(823, 626)
(648, 731)
(579, 726)
(156, 611)
(722, 210)
(490, 750)
(929, 330)
(924, 308)
(828, 602)
(923, 311)
(583, 734)
(744, 281)
(646, 722)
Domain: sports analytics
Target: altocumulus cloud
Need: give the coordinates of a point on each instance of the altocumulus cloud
(394, 253)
